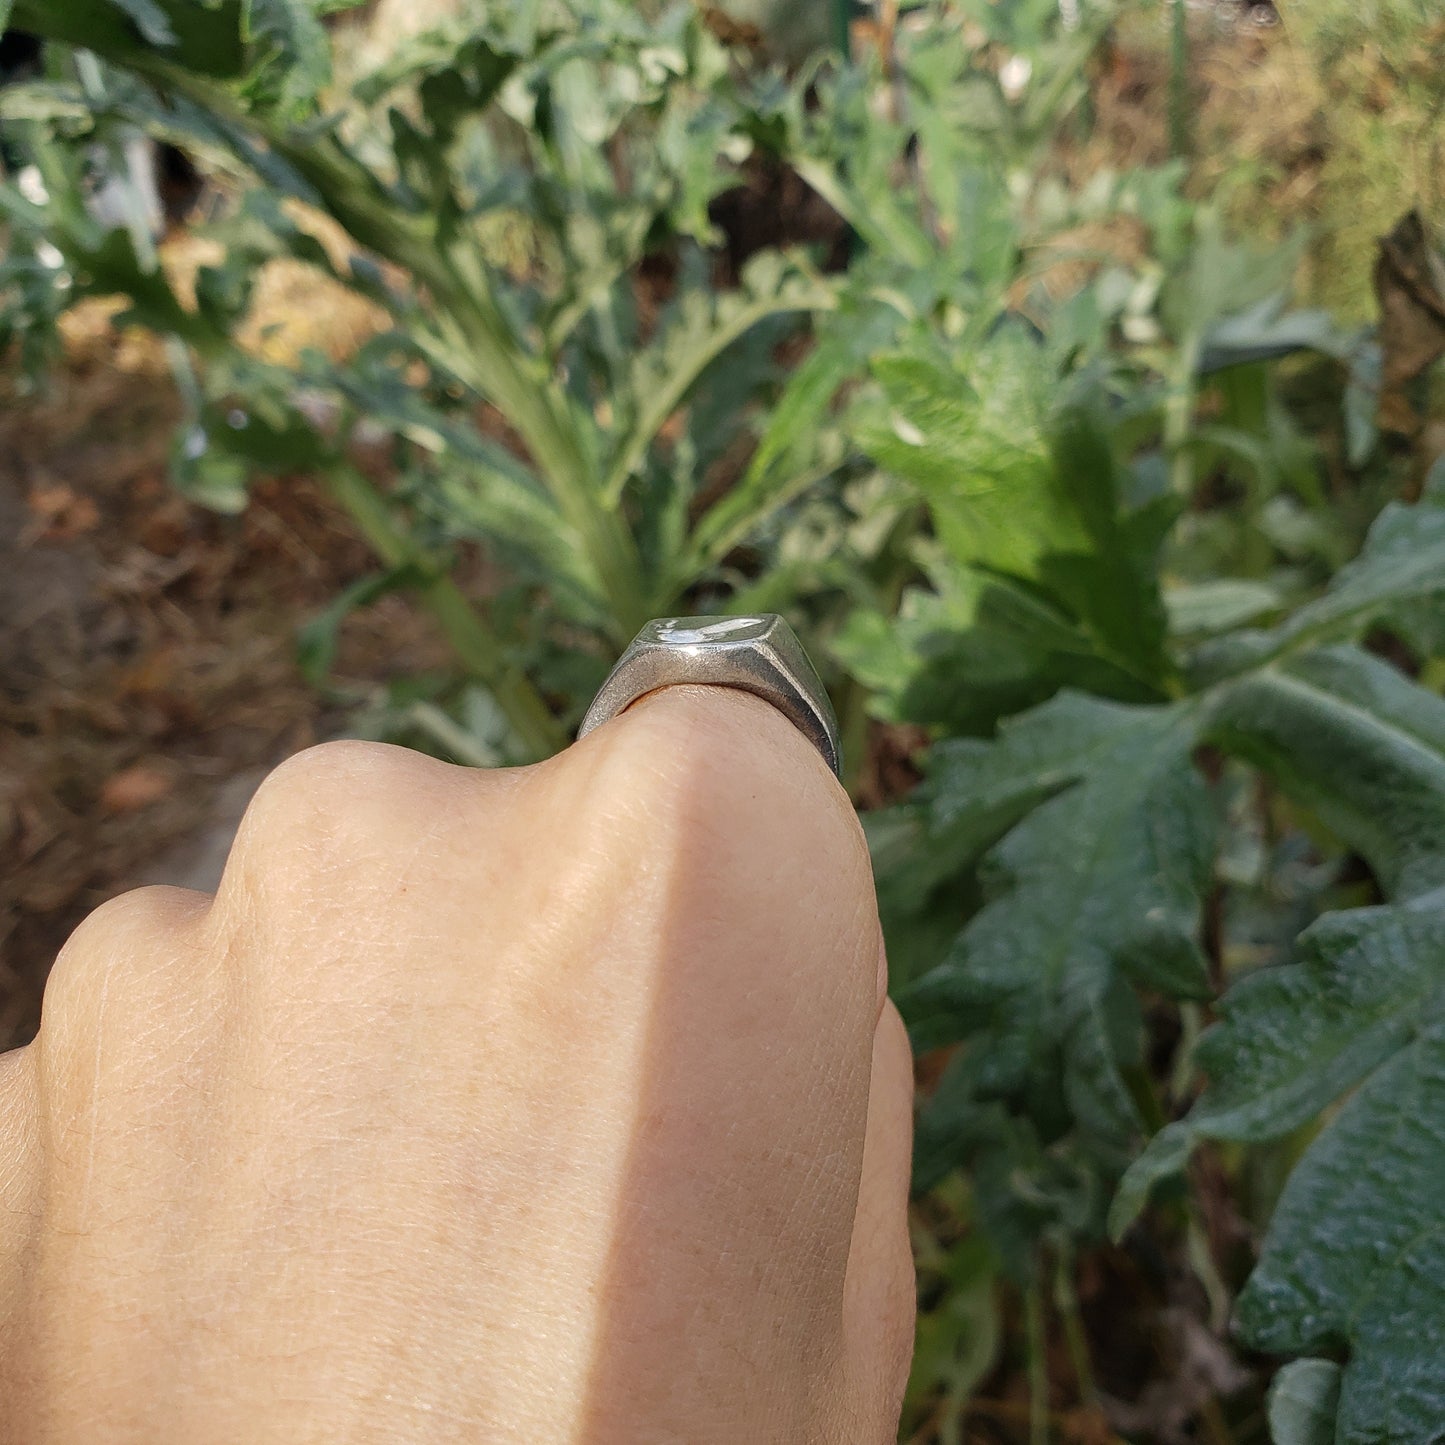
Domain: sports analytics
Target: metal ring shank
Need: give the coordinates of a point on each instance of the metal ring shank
(773, 667)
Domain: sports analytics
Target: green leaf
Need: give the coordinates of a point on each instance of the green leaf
(1354, 1259)
(1403, 561)
(209, 475)
(199, 37)
(1399, 577)
(150, 19)
(1355, 1254)
(959, 1338)
(1222, 285)
(1354, 739)
(111, 267)
(1268, 330)
(293, 48)
(456, 75)
(975, 446)
(973, 649)
(1357, 741)
(468, 485)
(792, 452)
(1031, 1178)
(699, 326)
(1038, 497)
(1096, 888)
(56, 104)
(1303, 1399)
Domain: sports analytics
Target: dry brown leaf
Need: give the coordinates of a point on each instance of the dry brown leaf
(1410, 287)
(60, 513)
(135, 787)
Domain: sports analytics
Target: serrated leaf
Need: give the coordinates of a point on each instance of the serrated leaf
(1347, 734)
(788, 456)
(1402, 561)
(1354, 1258)
(1097, 888)
(1360, 743)
(293, 48)
(971, 650)
(1355, 1254)
(456, 75)
(975, 445)
(111, 267)
(1036, 496)
(471, 486)
(699, 326)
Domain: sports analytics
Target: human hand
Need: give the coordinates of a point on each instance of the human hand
(560, 1103)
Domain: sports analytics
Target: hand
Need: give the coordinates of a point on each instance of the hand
(554, 1104)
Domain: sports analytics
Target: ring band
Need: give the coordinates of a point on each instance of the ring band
(760, 655)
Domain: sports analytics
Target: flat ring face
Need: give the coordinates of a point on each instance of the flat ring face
(760, 655)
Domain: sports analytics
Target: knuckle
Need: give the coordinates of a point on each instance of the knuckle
(318, 782)
(324, 809)
(118, 938)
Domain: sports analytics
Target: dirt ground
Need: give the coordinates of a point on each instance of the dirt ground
(148, 674)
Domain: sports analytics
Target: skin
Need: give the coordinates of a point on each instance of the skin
(561, 1103)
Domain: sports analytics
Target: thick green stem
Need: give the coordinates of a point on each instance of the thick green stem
(484, 354)
(474, 344)
(482, 350)
(473, 641)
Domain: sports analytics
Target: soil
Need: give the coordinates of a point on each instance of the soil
(148, 674)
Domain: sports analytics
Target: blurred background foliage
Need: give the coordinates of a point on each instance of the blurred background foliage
(1067, 371)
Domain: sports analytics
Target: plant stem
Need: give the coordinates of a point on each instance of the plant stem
(482, 349)
(1201, 1260)
(473, 641)
(657, 409)
(1066, 1301)
(1179, 416)
(1038, 1370)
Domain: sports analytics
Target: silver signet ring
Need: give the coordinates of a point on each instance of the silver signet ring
(760, 655)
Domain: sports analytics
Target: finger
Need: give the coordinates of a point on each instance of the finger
(19, 1174)
(757, 990)
(880, 1295)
